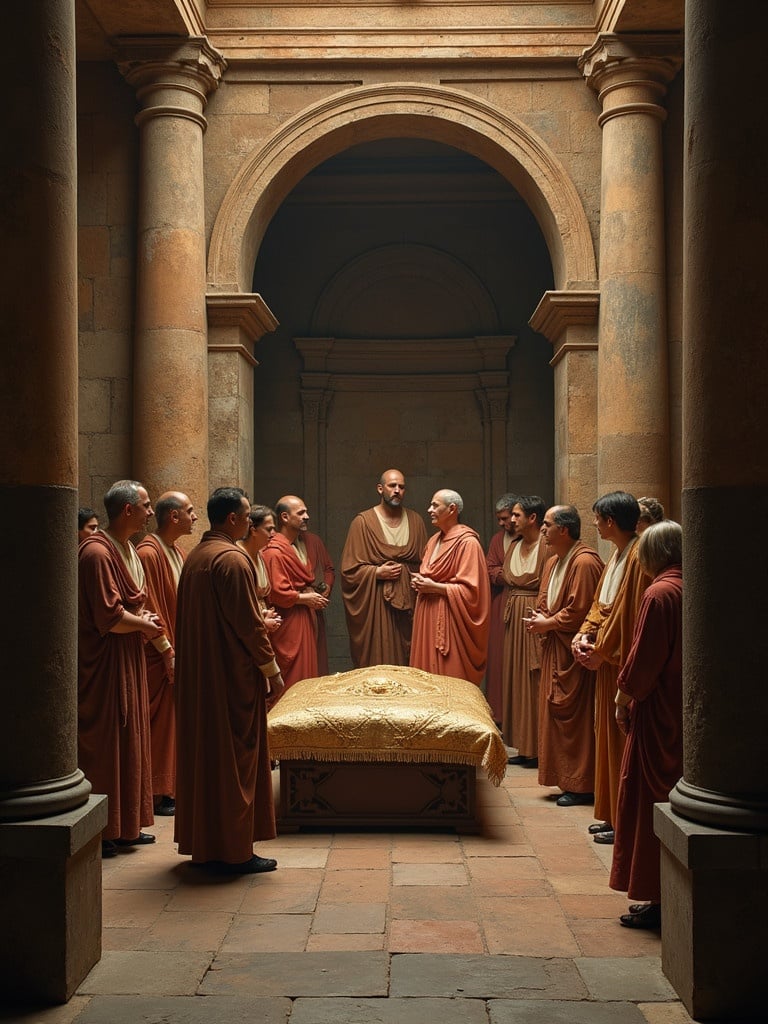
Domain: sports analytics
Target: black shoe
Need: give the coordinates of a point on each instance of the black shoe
(254, 866)
(166, 808)
(648, 917)
(605, 838)
(142, 839)
(524, 762)
(569, 799)
(108, 848)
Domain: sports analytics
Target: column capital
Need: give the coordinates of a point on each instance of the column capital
(630, 76)
(171, 76)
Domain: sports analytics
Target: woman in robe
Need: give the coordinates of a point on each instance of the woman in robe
(649, 711)
(261, 527)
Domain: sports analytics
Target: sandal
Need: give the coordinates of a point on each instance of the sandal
(599, 826)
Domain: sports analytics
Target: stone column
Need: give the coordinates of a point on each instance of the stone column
(633, 405)
(172, 79)
(236, 322)
(715, 834)
(568, 319)
(50, 866)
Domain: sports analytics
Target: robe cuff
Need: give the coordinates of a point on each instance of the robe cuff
(270, 669)
(161, 644)
(622, 700)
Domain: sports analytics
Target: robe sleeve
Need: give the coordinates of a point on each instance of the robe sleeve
(237, 593)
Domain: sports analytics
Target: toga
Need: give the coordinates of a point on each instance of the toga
(379, 612)
(450, 631)
(223, 656)
(295, 642)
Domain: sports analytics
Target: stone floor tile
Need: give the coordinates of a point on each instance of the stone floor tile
(546, 1011)
(350, 918)
(665, 1013)
(636, 978)
(417, 838)
(44, 1014)
(429, 853)
(344, 942)
(209, 892)
(593, 884)
(429, 874)
(134, 971)
(354, 840)
(500, 843)
(441, 936)
(608, 938)
(293, 840)
(357, 857)
(122, 938)
(127, 908)
(288, 899)
(609, 905)
(267, 933)
(503, 886)
(433, 902)
(365, 886)
(527, 927)
(301, 857)
(185, 1010)
(187, 930)
(388, 1011)
(484, 869)
(484, 977)
(361, 974)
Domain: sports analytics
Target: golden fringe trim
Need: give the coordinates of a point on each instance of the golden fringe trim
(495, 773)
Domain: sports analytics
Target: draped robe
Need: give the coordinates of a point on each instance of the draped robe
(223, 655)
(379, 612)
(653, 754)
(295, 642)
(494, 669)
(450, 631)
(567, 689)
(113, 709)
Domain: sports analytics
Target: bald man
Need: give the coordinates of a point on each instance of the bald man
(292, 578)
(162, 559)
(383, 549)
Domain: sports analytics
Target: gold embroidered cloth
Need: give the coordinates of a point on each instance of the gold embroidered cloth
(387, 713)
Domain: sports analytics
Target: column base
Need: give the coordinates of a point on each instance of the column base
(714, 895)
(50, 892)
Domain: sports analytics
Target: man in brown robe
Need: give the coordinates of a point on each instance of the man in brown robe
(225, 674)
(453, 604)
(603, 643)
(383, 549)
(494, 559)
(292, 578)
(162, 559)
(522, 574)
(113, 710)
(325, 577)
(566, 689)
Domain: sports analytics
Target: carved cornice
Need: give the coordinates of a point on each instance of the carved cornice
(345, 358)
(558, 310)
(248, 313)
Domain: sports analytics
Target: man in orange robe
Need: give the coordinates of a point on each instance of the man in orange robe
(162, 560)
(522, 575)
(603, 643)
(292, 578)
(453, 604)
(383, 549)
(113, 710)
(324, 578)
(566, 689)
(225, 674)
(494, 559)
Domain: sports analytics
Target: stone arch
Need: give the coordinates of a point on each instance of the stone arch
(374, 280)
(405, 110)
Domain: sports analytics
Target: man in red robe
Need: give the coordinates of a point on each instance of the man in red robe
(324, 578)
(453, 603)
(383, 549)
(162, 559)
(292, 577)
(494, 559)
(567, 689)
(225, 674)
(113, 710)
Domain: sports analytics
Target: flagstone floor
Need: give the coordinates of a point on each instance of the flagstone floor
(514, 925)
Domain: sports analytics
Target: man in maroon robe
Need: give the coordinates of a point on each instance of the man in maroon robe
(113, 710)
(453, 604)
(497, 551)
(292, 578)
(225, 674)
(383, 549)
(162, 559)
(567, 689)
